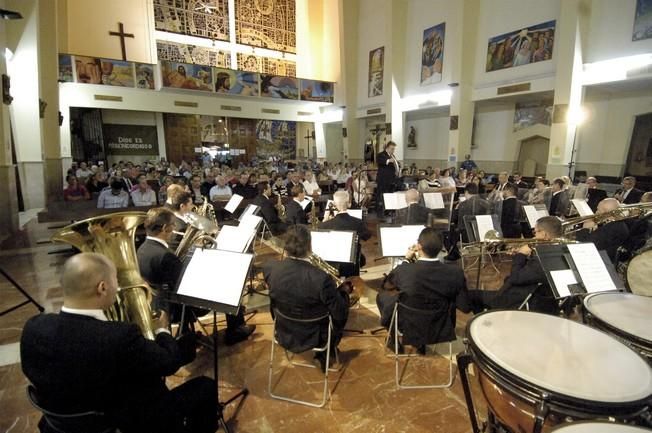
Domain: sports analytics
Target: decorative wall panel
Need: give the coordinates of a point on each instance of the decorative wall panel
(205, 19)
(266, 65)
(266, 23)
(182, 53)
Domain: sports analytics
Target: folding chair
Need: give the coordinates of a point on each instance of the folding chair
(82, 422)
(317, 321)
(426, 319)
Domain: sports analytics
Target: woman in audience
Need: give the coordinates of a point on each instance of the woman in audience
(75, 191)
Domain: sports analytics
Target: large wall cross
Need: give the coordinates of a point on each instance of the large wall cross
(122, 36)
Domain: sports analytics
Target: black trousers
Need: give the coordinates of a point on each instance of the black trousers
(386, 300)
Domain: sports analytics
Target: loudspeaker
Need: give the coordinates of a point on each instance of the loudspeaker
(344, 132)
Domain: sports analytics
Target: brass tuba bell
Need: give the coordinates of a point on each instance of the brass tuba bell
(112, 235)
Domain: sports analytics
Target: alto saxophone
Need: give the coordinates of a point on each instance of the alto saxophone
(332, 272)
(280, 209)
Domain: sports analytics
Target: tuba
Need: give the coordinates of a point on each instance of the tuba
(200, 229)
(113, 236)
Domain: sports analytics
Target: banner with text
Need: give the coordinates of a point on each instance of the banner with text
(130, 139)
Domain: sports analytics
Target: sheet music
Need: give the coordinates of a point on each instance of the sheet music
(433, 200)
(395, 241)
(582, 207)
(235, 238)
(394, 200)
(233, 203)
(199, 280)
(562, 279)
(485, 223)
(251, 209)
(332, 246)
(534, 213)
(250, 221)
(592, 270)
(356, 213)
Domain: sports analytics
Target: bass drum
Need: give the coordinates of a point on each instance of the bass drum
(639, 273)
(537, 371)
(626, 316)
(599, 427)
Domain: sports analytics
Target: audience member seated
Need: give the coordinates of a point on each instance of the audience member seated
(83, 172)
(113, 197)
(96, 183)
(279, 188)
(628, 194)
(75, 191)
(195, 189)
(143, 195)
(496, 194)
(519, 182)
(221, 191)
(244, 188)
(310, 184)
(208, 184)
(80, 362)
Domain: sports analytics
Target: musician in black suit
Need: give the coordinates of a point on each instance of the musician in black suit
(268, 208)
(472, 205)
(414, 213)
(518, 181)
(527, 277)
(640, 230)
(607, 236)
(301, 290)
(78, 361)
(559, 202)
(388, 173)
(510, 211)
(594, 195)
(162, 270)
(629, 194)
(294, 213)
(339, 219)
(180, 203)
(426, 283)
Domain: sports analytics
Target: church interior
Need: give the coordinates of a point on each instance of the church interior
(444, 208)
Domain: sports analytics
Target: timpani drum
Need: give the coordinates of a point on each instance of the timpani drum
(639, 273)
(537, 371)
(599, 427)
(626, 316)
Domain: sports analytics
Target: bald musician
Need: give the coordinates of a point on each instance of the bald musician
(414, 213)
(78, 361)
(608, 236)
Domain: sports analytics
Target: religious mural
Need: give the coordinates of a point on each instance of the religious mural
(185, 76)
(276, 138)
(117, 73)
(266, 23)
(376, 70)
(236, 82)
(313, 90)
(532, 113)
(183, 53)
(205, 19)
(279, 87)
(642, 20)
(145, 76)
(266, 65)
(432, 54)
(521, 47)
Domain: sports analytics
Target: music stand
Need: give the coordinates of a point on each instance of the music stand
(198, 288)
(251, 209)
(334, 245)
(29, 300)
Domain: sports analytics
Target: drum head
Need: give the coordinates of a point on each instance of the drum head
(561, 356)
(599, 427)
(631, 314)
(639, 274)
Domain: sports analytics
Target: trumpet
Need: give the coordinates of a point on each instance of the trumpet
(623, 212)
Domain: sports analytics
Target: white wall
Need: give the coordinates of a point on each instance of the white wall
(423, 14)
(503, 16)
(610, 34)
(431, 136)
(371, 31)
(493, 131)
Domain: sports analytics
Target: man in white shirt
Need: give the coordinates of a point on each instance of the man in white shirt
(497, 193)
(221, 191)
(144, 195)
(113, 197)
(310, 184)
(83, 172)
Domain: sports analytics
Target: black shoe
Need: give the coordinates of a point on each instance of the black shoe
(421, 350)
(321, 357)
(452, 257)
(390, 345)
(239, 334)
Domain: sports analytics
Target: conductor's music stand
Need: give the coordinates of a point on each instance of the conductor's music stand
(198, 287)
(29, 299)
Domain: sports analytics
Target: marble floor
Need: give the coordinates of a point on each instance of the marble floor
(363, 394)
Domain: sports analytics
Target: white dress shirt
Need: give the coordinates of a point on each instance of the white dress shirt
(99, 315)
(140, 198)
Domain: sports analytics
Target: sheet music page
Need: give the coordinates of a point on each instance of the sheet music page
(396, 241)
(592, 270)
(249, 210)
(562, 279)
(250, 222)
(433, 200)
(400, 200)
(332, 246)
(233, 203)
(390, 201)
(485, 223)
(582, 207)
(532, 214)
(234, 238)
(356, 213)
(199, 279)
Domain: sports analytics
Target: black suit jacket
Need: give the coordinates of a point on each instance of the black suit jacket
(559, 204)
(300, 290)
(428, 285)
(294, 213)
(267, 209)
(413, 214)
(246, 191)
(595, 196)
(161, 268)
(386, 172)
(634, 196)
(509, 218)
(78, 363)
(606, 237)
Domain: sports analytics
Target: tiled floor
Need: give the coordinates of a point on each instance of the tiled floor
(364, 397)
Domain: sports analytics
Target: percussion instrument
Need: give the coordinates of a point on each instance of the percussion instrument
(639, 273)
(625, 316)
(537, 371)
(599, 427)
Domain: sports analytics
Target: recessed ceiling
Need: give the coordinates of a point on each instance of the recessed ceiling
(643, 85)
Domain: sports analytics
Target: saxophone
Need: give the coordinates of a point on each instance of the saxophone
(332, 272)
(280, 209)
(314, 221)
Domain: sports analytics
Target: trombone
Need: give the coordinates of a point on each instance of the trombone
(637, 210)
(493, 244)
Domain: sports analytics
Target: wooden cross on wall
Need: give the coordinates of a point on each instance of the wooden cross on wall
(122, 35)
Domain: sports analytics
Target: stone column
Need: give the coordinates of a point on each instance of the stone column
(348, 84)
(396, 23)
